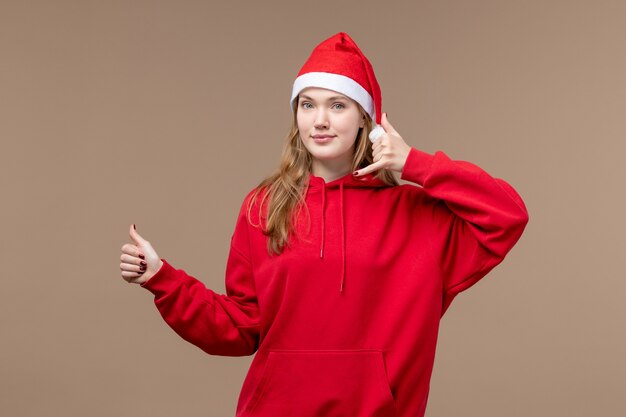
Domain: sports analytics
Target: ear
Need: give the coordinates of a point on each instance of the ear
(362, 124)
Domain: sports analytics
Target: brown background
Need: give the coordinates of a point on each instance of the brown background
(166, 113)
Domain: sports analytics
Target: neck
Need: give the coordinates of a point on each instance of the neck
(328, 170)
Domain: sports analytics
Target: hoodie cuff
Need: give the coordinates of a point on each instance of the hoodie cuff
(163, 281)
(417, 166)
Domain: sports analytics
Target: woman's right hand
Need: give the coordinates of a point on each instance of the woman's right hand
(139, 259)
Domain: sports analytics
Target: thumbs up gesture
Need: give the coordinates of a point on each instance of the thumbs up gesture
(389, 150)
(139, 259)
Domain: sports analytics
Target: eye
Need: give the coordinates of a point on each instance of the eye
(339, 104)
(304, 104)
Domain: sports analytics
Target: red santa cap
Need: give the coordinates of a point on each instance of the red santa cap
(339, 65)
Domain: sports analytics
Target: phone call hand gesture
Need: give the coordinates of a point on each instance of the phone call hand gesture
(139, 259)
(389, 150)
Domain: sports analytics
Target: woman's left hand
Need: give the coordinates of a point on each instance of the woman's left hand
(389, 150)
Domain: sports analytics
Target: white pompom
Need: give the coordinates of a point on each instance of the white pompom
(376, 132)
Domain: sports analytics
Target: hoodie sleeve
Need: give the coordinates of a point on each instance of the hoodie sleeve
(486, 216)
(219, 324)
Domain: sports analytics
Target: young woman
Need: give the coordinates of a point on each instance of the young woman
(337, 275)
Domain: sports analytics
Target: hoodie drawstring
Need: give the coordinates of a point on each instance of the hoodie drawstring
(343, 240)
(366, 183)
(343, 234)
(323, 220)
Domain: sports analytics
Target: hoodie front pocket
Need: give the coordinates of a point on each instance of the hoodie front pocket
(330, 383)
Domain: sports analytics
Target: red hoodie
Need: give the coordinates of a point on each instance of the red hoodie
(344, 322)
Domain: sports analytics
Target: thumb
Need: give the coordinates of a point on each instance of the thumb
(151, 257)
(386, 125)
(139, 241)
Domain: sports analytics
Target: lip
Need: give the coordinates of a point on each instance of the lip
(322, 138)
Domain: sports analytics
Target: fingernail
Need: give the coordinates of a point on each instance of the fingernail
(142, 268)
(134, 227)
(141, 255)
(355, 173)
(143, 263)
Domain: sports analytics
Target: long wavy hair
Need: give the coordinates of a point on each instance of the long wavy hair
(283, 191)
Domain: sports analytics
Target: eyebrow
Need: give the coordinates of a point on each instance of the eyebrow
(328, 99)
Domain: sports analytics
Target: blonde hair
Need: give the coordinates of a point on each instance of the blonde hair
(283, 190)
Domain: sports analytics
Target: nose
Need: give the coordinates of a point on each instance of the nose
(321, 119)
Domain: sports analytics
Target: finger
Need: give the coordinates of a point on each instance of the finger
(132, 268)
(369, 168)
(376, 144)
(132, 260)
(135, 236)
(386, 125)
(379, 148)
(382, 147)
(130, 276)
(132, 250)
(376, 155)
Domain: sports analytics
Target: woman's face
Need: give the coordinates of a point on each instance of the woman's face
(328, 122)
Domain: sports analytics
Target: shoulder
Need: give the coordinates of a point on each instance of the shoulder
(251, 205)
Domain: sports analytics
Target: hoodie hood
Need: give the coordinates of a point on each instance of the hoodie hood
(319, 185)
